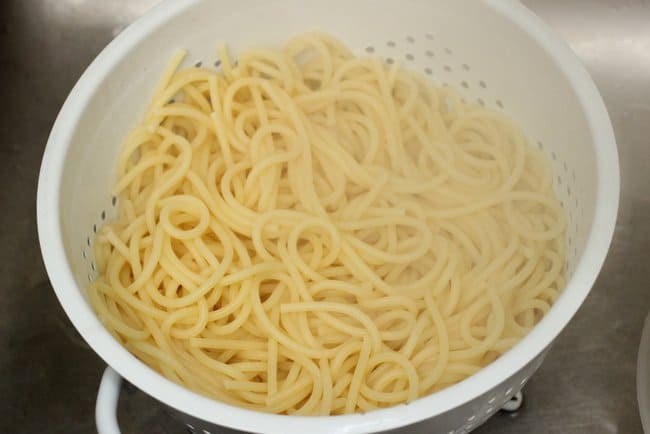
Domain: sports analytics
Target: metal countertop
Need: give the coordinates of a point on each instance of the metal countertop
(49, 378)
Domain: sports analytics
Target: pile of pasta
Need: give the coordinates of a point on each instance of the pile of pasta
(305, 231)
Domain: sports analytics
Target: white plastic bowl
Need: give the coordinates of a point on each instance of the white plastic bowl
(643, 376)
(503, 55)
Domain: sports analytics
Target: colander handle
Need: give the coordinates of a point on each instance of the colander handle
(106, 405)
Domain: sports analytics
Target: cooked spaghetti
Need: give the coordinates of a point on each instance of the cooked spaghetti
(310, 232)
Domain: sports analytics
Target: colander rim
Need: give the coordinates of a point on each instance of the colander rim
(184, 400)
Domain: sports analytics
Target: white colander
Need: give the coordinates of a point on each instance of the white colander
(496, 52)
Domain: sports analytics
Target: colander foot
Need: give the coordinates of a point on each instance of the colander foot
(514, 403)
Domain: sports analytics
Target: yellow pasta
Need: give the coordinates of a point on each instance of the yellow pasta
(310, 232)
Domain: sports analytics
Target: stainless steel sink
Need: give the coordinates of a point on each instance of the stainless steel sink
(49, 378)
